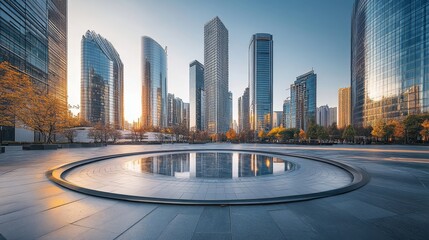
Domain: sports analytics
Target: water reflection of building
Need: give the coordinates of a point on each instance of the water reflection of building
(211, 165)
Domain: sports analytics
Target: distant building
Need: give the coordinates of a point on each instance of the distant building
(303, 100)
(154, 84)
(243, 112)
(287, 114)
(216, 76)
(196, 95)
(277, 119)
(261, 81)
(171, 105)
(344, 107)
(186, 114)
(332, 115)
(102, 82)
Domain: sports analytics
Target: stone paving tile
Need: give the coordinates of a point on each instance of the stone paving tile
(34, 207)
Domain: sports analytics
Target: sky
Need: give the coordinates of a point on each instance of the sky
(307, 34)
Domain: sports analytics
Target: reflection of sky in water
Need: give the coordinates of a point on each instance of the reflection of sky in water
(210, 165)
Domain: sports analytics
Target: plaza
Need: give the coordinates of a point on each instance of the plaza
(393, 204)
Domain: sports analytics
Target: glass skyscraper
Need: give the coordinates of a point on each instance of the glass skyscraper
(196, 95)
(303, 101)
(230, 110)
(154, 84)
(389, 60)
(261, 81)
(287, 114)
(243, 111)
(33, 38)
(216, 76)
(102, 82)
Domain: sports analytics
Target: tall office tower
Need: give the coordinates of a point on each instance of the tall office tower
(186, 114)
(322, 116)
(389, 64)
(33, 39)
(344, 105)
(178, 111)
(244, 111)
(171, 105)
(261, 81)
(230, 108)
(102, 82)
(154, 87)
(277, 119)
(303, 100)
(216, 76)
(196, 95)
(240, 118)
(286, 114)
(332, 115)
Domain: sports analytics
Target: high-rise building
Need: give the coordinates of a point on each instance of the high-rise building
(240, 120)
(216, 76)
(287, 114)
(186, 114)
(332, 115)
(154, 84)
(102, 82)
(261, 81)
(389, 64)
(344, 105)
(243, 112)
(178, 111)
(171, 105)
(323, 116)
(277, 119)
(196, 95)
(230, 108)
(303, 100)
(33, 39)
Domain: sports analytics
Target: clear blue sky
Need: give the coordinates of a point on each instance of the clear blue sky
(307, 34)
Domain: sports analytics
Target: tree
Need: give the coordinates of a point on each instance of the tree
(281, 134)
(394, 130)
(272, 133)
(115, 134)
(349, 133)
(425, 130)
(302, 135)
(312, 131)
(15, 87)
(322, 133)
(261, 135)
(68, 127)
(231, 135)
(333, 131)
(379, 129)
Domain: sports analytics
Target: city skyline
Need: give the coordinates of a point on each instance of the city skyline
(185, 42)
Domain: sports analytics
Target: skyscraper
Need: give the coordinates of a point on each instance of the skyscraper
(277, 118)
(102, 82)
(171, 105)
(230, 108)
(326, 115)
(303, 100)
(154, 84)
(287, 114)
(216, 76)
(185, 114)
(243, 114)
(261, 81)
(344, 106)
(33, 39)
(240, 118)
(389, 64)
(196, 95)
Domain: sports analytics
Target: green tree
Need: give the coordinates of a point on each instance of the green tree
(322, 133)
(349, 133)
(312, 131)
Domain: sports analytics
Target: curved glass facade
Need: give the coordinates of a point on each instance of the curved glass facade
(154, 84)
(389, 60)
(261, 81)
(102, 84)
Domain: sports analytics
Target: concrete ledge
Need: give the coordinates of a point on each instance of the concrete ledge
(57, 175)
(40, 147)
